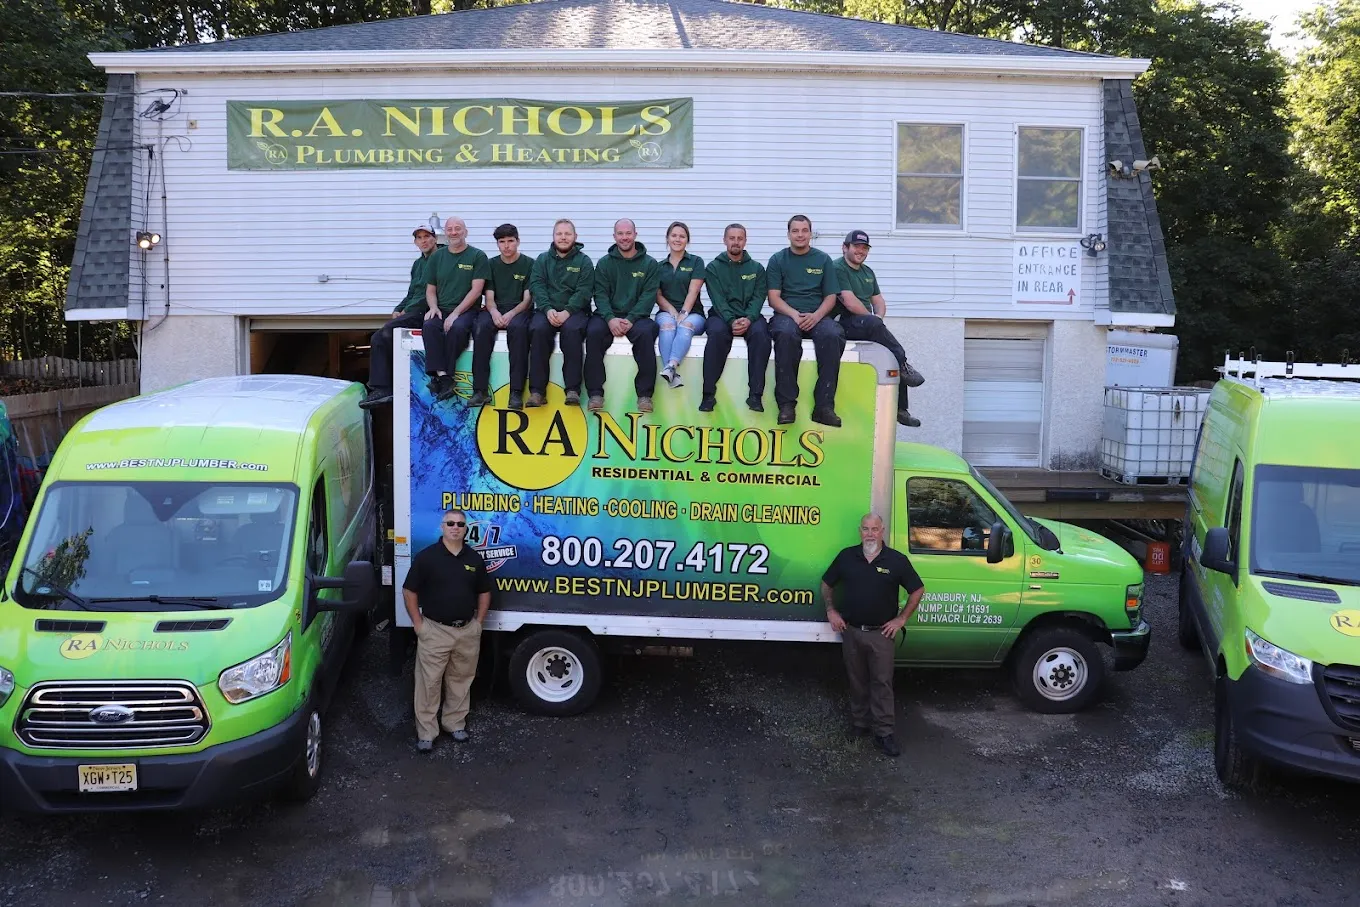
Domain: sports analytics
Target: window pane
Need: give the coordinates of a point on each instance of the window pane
(1050, 152)
(946, 515)
(929, 149)
(1048, 203)
(928, 200)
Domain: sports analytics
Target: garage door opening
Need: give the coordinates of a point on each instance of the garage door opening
(330, 352)
(1003, 394)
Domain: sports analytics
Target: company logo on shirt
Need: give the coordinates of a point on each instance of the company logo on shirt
(463, 267)
(748, 277)
(639, 273)
(571, 270)
(686, 269)
(882, 569)
(814, 270)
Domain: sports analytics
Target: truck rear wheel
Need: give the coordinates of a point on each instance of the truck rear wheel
(1058, 670)
(302, 784)
(1236, 768)
(1186, 631)
(556, 672)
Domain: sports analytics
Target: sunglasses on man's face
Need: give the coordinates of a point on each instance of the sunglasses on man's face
(454, 523)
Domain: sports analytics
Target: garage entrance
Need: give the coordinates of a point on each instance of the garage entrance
(1003, 393)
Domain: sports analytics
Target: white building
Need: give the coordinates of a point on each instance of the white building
(968, 161)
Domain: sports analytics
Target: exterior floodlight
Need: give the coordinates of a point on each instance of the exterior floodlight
(147, 240)
(1093, 244)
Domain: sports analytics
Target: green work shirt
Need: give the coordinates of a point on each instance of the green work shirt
(562, 283)
(452, 274)
(415, 293)
(860, 281)
(675, 281)
(803, 280)
(737, 289)
(509, 281)
(626, 287)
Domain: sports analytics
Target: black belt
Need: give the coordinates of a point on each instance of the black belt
(865, 627)
(455, 624)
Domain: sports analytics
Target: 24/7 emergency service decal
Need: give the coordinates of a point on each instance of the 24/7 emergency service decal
(675, 513)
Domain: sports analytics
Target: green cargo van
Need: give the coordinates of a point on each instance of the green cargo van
(173, 623)
(1269, 590)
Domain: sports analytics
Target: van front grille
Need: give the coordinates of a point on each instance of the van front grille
(1341, 692)
(111, 714)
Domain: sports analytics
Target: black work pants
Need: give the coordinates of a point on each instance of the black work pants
(517, 342)
(380, 348)
(443, 347)
(643, 337)
(871, 327)
(869, 670)
(828, 342)
(719, 345)
(572, 339)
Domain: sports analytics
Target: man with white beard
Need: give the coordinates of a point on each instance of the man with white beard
(868, 576)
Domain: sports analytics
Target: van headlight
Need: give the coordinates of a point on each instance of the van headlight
(1278, 663)
(262, 674)
(6, 684)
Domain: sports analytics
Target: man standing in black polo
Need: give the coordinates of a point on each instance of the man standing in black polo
(447, 593)
(869, 575)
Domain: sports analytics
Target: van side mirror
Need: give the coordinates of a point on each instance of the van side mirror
(1215, 554)
(357, 583)
(1000, 544)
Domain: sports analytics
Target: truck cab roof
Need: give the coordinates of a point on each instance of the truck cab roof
(926, 458)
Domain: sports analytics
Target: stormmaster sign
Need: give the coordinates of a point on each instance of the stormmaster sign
(459, 134)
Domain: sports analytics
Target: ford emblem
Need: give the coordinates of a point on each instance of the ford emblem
(110, 714)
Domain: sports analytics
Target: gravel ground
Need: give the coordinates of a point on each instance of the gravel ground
(724, 778)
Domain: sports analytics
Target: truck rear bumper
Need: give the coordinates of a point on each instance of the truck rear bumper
(1131, 646)
(252, 766)
(1285, 723)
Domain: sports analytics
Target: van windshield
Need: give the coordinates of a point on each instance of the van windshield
(1306, 524)
(155, 546)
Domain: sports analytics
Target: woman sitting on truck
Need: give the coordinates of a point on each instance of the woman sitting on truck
(682, 314)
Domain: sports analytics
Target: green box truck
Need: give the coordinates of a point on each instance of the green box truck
(676, 525)
(183, 598)
(1272, 567)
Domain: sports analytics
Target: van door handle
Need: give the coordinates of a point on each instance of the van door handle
(1035, 588)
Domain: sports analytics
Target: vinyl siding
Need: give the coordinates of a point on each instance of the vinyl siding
(766, 147)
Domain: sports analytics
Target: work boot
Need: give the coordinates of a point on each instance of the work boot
(377, 396)
(754, 405)
(573, 398)
(644, 404)
(786, 414)
(887, 745)
(595, 403)
(435, 383)
(910, 376)
(537, 399)
(444, 387)
(516, 400)
(904, 417)
(481, 398)
(826, 416)
(707, 404)
(856, 732)
(462, 736)
(424, 746)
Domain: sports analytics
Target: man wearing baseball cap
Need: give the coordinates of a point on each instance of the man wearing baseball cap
(410, 312)
(861, 315)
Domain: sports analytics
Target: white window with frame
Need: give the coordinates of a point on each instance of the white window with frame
(930, 179)
(1048, 179)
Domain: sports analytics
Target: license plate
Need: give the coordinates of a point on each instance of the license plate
(101, 779)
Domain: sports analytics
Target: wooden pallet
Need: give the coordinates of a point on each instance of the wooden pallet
(1141, 480)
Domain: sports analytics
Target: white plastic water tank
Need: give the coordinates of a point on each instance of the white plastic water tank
(1140, 359)
(1150, 432)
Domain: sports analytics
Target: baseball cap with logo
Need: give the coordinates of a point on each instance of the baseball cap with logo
(423, 228)
(857, 238)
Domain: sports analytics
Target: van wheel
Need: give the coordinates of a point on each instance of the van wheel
(1058, 670)
(553, 672)
(302, 784)
(1186, 631)
(1236, 768)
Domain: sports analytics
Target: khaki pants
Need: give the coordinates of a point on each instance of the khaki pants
(449, 653)
(869, 667)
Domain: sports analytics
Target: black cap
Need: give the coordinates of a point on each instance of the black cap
(857, 238)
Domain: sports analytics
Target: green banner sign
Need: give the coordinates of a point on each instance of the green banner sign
(457, 134)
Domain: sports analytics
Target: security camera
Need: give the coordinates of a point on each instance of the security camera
(1120, 169)
(1154, 164)
(1116, 166)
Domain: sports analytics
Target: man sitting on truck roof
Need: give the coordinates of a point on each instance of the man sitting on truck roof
(456, 276)
(507, 302)
(861, 309)
(736, 287)
(802, 291)
(409, 313)
(626, 281)
(560, 285)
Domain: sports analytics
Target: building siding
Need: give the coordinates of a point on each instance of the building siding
(257, 243)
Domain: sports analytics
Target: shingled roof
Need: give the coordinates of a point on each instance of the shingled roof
(1140, 279)
(628, 25)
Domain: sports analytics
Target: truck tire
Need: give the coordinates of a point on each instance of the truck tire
(305, 779)
(1058, 670)
(1186, 631)
(1236, 768)
(556, 672)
